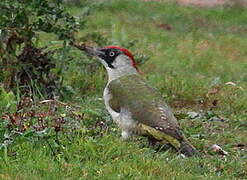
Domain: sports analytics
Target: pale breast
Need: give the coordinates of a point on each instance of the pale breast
(107, 97)
(123, 118)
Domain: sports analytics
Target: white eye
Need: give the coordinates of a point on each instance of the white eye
(112, 54)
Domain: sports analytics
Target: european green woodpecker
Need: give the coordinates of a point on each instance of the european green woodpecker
(136, 107)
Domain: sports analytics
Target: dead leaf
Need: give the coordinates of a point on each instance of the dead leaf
(213, 91)
(219, 150)
(230, 83)
(166, 27)
(239, 147)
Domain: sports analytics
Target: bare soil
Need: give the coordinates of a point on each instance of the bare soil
(208, 3)
(204, 3)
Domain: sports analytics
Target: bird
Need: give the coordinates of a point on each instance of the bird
(135, 106)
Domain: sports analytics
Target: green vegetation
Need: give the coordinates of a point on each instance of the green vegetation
(195, 57)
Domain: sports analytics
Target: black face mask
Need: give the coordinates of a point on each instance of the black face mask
(109, 56)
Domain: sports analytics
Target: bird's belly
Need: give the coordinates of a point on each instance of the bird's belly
(126, 121)
(123, 118)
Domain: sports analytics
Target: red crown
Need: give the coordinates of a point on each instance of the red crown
(126, 52)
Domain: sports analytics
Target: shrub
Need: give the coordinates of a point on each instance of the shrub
(26, 68)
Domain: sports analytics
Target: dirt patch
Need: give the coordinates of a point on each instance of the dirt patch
(204, 3)
(166, 27)
(207, 3)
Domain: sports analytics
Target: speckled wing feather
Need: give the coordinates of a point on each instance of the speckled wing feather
(144, 103)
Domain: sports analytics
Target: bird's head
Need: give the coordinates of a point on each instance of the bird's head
(117, 60)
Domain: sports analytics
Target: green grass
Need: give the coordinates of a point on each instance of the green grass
(204, 49)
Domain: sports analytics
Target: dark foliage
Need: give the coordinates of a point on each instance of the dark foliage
(25, 67)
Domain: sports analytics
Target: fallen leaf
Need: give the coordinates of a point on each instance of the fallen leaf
(218, 149)
(239, 147)
(164, 26)
(230, 83)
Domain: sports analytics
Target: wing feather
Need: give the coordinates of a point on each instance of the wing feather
(144, 103)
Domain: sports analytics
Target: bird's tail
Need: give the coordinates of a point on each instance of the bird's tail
(187, 149)
(182, 145)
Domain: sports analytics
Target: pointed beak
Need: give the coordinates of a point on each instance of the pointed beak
(94, 52)
(91, 51)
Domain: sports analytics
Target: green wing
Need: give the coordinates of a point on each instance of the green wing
(144, 103)
(114, 104)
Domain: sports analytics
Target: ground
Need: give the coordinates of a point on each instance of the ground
(195, 57)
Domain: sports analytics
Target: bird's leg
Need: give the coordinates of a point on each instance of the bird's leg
(125, 134)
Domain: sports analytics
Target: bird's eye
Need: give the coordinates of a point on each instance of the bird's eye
(111, 53)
